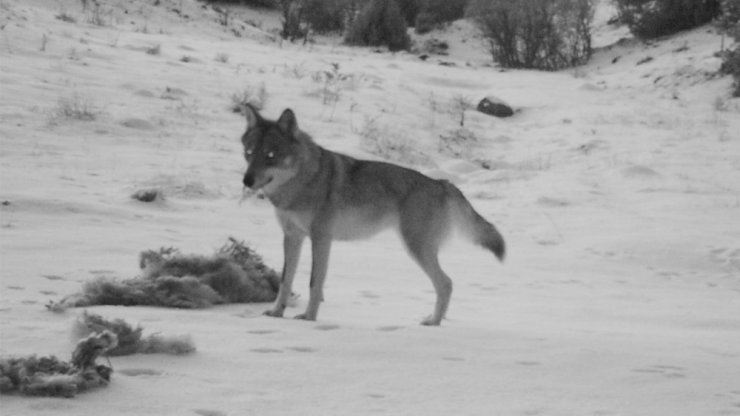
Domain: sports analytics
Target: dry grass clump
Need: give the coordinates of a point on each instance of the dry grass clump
(74, 107)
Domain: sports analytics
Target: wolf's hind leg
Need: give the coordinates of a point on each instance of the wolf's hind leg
(442, 286)
(423, 230)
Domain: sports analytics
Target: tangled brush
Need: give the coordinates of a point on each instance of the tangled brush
(235, 274)
(130, 339)
(48, 376)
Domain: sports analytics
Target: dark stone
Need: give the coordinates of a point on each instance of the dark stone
(495, 107)
(147, 195)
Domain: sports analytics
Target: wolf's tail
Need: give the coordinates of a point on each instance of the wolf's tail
(473, 226)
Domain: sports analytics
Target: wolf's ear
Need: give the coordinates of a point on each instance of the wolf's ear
(287, 121)
(253, 117)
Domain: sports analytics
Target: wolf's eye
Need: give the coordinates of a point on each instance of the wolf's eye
(270, 158)
(249, 152)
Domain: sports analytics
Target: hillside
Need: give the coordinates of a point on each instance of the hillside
(616, 186)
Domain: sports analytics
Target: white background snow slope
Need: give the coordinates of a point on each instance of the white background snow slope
(616, 186)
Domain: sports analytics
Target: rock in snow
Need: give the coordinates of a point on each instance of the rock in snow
(494, 106)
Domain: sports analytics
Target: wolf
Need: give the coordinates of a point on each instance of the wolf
(328, 196)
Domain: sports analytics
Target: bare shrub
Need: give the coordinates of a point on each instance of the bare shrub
(731, 65)
(74, 107)
(297, 71)
(292, 19)
(653, 18)
(390, 144)
(97, 15)
(454, 107)
(379, 23)
(458, 143)
(460, 104)
(325, 16)
(728, 21)
(330, 80)
(298, 17)
(410, 9)
(65, 17)
(434, 103)
(535, 34)
(254, 95)
(154, 50)
(729, 24)
(264, 4)
(433, 13)
(223, 16)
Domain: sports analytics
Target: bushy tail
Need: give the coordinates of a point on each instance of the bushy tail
(488, 236)
(474, 226)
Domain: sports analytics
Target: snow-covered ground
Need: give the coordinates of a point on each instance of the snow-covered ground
(616, 186)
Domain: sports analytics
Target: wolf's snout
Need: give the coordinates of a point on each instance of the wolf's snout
(248, 180)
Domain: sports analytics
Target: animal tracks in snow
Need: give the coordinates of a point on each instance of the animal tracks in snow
(208, 412)
(302, 349)
(388, 328)
(368, 294)
(667, 371)
(727, 257)
(732, 399)
(101, 272)
(279, 350)
(484, 287)
(53, 277)
(529, 363)
(326, 327)
(267, 350)
(262, 331)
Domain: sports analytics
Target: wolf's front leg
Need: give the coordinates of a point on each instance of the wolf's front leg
(292, 252)
(320, 247)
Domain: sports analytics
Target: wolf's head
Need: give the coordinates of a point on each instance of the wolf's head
(271, 149)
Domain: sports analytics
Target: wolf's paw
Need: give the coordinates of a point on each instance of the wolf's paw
(431, 321)
(305, 317)
(273, 313)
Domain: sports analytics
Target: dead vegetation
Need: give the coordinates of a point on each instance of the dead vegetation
(49, 376)
(234, 274)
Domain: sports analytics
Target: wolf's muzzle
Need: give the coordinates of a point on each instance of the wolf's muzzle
(248, 180)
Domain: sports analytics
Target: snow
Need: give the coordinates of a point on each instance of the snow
(616, 186)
